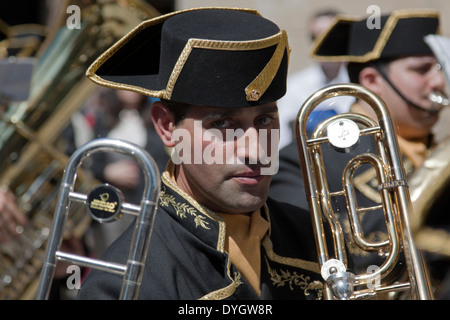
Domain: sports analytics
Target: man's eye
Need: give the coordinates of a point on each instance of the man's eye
(264, 121)
(220, 124)
(423, 69)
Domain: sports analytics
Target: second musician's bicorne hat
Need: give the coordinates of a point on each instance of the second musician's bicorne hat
(220, 57)
(400, 33)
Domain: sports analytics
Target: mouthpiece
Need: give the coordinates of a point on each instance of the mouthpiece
(438, 101)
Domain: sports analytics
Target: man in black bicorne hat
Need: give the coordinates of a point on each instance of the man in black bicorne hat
(218, 73)
(394, 62)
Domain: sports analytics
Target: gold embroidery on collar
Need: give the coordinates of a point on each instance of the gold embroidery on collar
(181, 209)
(165, 177)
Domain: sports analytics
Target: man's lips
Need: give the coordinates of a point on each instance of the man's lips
(248, 177)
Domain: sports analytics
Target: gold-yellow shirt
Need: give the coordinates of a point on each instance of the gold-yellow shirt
(244, 234)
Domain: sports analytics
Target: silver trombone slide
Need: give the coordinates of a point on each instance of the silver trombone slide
(132, 271)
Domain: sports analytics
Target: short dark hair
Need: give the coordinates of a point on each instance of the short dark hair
(178, 109)
(354, 68)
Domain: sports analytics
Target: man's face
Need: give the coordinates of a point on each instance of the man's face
(225, 170)
(415, 77)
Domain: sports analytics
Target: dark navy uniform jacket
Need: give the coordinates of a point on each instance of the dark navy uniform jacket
(186, 258)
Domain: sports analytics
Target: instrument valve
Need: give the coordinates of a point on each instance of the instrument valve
(338, 279)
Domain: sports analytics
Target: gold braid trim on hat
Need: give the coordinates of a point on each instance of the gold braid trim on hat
(91, 71)
(259, 85)
(385, 34)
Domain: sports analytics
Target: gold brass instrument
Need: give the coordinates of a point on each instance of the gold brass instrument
(104, 205)
(343, 131)
(32, 160)
(429, 184)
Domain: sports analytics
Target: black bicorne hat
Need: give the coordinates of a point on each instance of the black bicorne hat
(220, 57)
(400, 33)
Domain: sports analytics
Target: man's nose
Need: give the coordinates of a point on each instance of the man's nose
(247, 146)
(437, 79)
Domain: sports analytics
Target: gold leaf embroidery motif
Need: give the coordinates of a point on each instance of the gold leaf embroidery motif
(294, 280)
(182, 209)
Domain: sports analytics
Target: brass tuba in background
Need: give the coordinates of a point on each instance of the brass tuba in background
(430, 221)
(32, 160)
(430, 185)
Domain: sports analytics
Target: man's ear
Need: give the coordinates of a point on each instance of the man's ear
(164, 122)
(370, 78)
